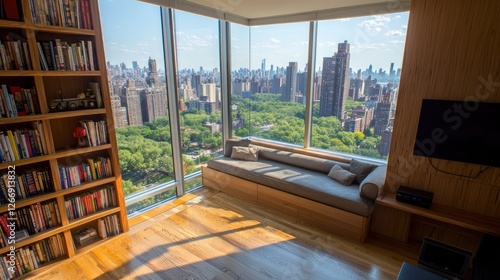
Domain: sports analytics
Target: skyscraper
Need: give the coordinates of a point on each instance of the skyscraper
(335, 82)
(263, 68)
(153, 80)
(132, 101)
(291, 83)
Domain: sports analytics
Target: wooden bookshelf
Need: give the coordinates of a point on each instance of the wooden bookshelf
(52, 84)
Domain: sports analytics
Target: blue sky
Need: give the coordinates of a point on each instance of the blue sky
(132, 31)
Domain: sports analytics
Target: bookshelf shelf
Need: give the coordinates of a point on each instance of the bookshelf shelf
(88, 185)
(34, 238)
(86, 248)
(49, 116)
(49, 73)
(56, 128)
(71, 151)
(28, 201)
(80, 151)
(84, 220)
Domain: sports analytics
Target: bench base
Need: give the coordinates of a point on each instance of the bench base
(327, 217)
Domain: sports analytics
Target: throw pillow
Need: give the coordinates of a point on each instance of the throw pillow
(245, 153)
(361, 169)
(230, 143)
(341, 175)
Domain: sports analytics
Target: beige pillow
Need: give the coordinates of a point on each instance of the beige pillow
(341, 175)
(245, 153)
(361, 169)
(230, 143)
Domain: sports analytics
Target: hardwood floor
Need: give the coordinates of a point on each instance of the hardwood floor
(216, 236)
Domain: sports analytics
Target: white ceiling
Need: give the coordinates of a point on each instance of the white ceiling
(254, 9)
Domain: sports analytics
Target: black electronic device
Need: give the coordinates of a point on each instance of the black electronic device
(414, 197)
(444, 259)
(464, 131)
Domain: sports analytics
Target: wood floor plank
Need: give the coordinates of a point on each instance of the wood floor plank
(216, 236)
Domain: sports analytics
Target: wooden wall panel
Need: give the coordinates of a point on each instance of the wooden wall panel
(451, 53)
(391, 222)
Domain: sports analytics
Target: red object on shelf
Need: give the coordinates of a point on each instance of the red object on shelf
(11, 9)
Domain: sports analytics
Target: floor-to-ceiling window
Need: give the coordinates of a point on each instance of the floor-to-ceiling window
(352, 90)
(269, 91)
(198, 75)
(358, 65)
(240, 81)
(132, 34)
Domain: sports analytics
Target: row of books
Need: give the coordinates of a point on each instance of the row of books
(28, 183)
(67, 13)
(14, 55)
(92, 170)
(108, 226)
(97, 132)
(16, 101)
(87, 203)
(59, 55)
(34, 218)
(33, 256)
(22, 143)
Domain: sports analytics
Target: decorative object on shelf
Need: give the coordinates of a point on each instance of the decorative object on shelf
(80, 133)
(71, 104)
(86, 236)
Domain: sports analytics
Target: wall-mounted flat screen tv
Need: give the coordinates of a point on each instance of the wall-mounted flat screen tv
(465, 131)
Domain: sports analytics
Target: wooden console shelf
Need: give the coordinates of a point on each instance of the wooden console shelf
(445, 214)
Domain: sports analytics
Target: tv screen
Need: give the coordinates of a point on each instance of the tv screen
(443, 258)
(459, 131)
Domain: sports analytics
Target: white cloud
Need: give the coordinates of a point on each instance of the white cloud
(274, 40)
(375, 24)
(392, 33)
(396, 17)
(345, 19)
(397, 42)
(373, 46)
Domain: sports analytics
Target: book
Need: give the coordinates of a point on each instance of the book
(12, 9)
(7, 101)
(41, 55)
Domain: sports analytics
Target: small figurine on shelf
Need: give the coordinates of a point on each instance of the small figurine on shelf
(80, 133)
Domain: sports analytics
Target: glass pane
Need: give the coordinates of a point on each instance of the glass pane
(240, 73)
(151, 201)
(356, 83)
(274, 85)
(197, 40)
(136, 73)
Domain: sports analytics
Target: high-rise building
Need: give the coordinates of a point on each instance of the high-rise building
(382, 116)
(358, 86)
(209, 91)
(263, 68)
(302, 82)
(132, 101)
(335, 82)
(385, 142)
(119, 111)
(277, 84)
(289, 95)
(153, 79)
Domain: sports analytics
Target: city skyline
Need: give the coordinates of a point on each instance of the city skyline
(376, 40)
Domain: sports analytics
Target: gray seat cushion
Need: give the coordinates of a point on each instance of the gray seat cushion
(313, 185)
